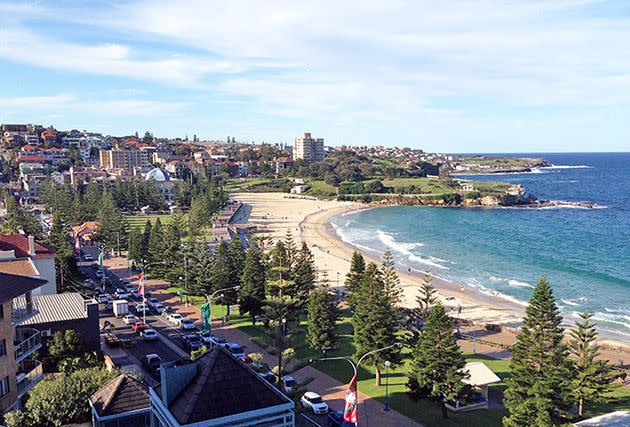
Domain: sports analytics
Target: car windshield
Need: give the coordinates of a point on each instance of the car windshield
(187, 321)
(236, 349)
(289, 383)
(316, 400)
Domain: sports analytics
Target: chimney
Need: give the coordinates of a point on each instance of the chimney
(31, 245)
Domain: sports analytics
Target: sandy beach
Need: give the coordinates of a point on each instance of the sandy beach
(309, 220)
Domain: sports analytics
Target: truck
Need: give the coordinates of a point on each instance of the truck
(120, 307)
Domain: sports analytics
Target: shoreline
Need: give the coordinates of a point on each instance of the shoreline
(309, 221)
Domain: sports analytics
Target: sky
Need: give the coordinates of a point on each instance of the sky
(454, 76)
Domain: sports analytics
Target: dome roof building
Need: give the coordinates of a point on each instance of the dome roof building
(158, 174)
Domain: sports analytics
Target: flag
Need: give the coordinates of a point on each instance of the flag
(141, 285)
(77, 246)
(100, 259)
(351, 410)
(205, 317)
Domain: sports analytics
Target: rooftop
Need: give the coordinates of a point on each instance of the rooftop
(121, 395)
(19, 244)
(480, 374)
(13, 285)
(20, 267)
(222, 386)
(48, 308)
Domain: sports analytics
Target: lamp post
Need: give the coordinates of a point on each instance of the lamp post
(387, 365)
(355, 367)
(206, 308)
(144, 270)
(283, 329)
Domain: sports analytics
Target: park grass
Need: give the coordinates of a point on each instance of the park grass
(141, 220)
(319, 188)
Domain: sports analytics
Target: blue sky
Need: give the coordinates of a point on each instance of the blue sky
(456, 76)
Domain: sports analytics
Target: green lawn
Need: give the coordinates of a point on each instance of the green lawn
(320, 189)
(140, 220)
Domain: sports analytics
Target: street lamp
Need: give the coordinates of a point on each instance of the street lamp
(206, 314)
(387, 365)
(355, 367)
(283, 330)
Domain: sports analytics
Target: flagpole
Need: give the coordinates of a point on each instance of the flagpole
(355, 368)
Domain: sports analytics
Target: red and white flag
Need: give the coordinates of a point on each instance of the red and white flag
(351, 409)
(77, 246)
(141, 285)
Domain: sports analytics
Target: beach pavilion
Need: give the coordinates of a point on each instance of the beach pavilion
(480, 377)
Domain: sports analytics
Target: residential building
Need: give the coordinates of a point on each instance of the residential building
(78, 314)
(127, 159)
(283, 164)
(123, 402)
(217, 390)
(24, 256)
(19, 372)
(82, 175)
(308, 149)
(11, 134)
(49, 136)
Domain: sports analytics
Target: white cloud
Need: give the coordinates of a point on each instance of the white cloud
(37, 101)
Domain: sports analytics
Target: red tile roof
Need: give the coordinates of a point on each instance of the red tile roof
(31, 159)
(49, 133)
(284, 159)
(19, 244)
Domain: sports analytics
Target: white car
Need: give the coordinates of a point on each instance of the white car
(314, 402)
(121, 294)
(289, 385)
(142, 308)
(129, 319)
(150, 335)
(187, 324)
(175, 318)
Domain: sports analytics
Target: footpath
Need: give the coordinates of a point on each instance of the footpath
(333, 391)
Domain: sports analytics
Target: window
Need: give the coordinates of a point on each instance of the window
(1, 311)
(4, 386)
(3, 347)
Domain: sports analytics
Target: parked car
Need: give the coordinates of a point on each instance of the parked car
(187, 324)
(268, 376)
(129, 287)
(234, 349)
(314, 402)
(192, 342)
(102, 298)
(175, 318)
(217, 340)
(167, 312)
(158, 308)
(149, 335)
(142, 308)
(335, 419)
(121, 294)
(129, 319)
(289, 385)
(138, 327)
(99, 274)
(151, 362)
(247, 360)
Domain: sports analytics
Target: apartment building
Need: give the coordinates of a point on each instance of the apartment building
(308, 148)
(127, 159)
(19, 372)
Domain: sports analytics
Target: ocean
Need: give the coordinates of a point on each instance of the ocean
(585, 253)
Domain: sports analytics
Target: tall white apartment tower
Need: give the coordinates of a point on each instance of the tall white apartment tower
(308, 148)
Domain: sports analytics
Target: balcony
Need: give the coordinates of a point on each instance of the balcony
(27, 341)
(22, 310)
(29, 373)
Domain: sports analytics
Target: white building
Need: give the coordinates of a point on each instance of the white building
(23, 256)
(308, 148)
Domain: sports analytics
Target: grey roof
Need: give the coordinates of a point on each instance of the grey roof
(56, 308)
(121, 395)
(13, 285)
(223, 386)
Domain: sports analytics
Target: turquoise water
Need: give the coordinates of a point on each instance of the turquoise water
(585, 253)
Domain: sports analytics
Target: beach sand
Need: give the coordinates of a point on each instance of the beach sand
(309, 220)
